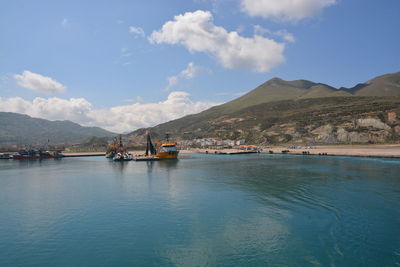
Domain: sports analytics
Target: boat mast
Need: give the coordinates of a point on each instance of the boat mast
(150, 147)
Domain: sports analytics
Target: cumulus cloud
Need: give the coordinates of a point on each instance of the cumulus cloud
(197, 32)
(285, 10)
(117, 119)
(284, 34)
(137, 31)
(190, 72)
(131, 117)
(54, 108)
(38, 83)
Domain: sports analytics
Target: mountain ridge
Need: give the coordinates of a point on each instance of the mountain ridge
(23, 129)
(300, 100)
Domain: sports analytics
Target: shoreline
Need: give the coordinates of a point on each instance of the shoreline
(378, 151)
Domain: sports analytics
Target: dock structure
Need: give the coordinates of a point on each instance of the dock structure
(146, 158)
(88, 154)
(231, 152)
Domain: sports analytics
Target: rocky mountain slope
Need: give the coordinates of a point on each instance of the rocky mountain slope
(299, 111)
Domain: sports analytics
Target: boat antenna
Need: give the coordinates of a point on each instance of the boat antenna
(167, 136)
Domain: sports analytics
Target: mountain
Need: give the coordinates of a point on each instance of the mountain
(23, 129)
(301, 111)
(385, 85)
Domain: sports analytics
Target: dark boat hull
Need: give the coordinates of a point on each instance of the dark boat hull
(33, 157)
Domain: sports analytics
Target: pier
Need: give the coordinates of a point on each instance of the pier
(84, 154)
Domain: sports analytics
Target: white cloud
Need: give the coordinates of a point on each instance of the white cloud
(131, 117)
(125, 52)
(139, 99)
(38, 83)
(197, 32)
(172, 81)
(137, 31)
(284, 34)
(190, 72)
(64, 23)
(285, 10)
(118, 119)
(54, 108)
(287, 36)
(260, 30)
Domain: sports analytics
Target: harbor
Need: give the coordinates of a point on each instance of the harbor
(138, 212)
(378, 151)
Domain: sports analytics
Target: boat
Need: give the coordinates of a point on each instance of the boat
(33, 154)
(118, 152)
(113, 148)
(168, 149)
(5, 156)
(122, 156)
(150, 154)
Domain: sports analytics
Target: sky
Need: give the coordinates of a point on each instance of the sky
(123, 65)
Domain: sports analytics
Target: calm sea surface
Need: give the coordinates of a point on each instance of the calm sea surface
(254, 210)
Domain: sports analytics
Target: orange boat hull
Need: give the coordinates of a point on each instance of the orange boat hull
(168, 155)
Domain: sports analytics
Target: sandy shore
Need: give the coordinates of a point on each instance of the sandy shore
(387, 151)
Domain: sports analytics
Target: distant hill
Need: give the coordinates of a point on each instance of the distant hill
(281, 111)
(385, 85)
(23, 129)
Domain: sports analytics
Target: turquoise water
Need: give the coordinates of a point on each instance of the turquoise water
(253, 210)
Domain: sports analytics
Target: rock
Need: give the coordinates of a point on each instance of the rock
(397, 129)
(352, 137)
(392, 117)
(342, 135)
(324, 134)
(323, 130)
(374, 123)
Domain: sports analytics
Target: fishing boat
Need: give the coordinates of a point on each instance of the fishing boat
(33, 154)
(5, 156)
(150, 154)
(117, 152)
(113, 148)
(122, 156)
(168, 149)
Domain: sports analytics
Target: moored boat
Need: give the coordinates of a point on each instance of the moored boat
(122, 156)
(117, 151)
(150, 154)
(168, 150)
(5, 156)
(33, 154)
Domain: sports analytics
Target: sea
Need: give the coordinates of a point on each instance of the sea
(201, 210)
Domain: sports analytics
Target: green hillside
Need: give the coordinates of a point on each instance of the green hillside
(23, 129)
(281, 111)
(385, 85)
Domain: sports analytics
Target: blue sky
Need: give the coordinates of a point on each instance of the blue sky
(123, 65)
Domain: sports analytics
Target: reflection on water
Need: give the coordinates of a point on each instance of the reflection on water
(201, 210)
(118, 166)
